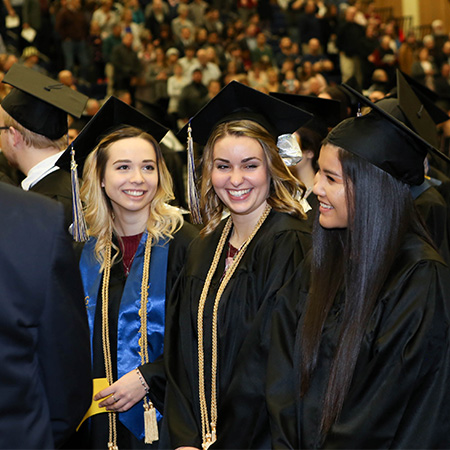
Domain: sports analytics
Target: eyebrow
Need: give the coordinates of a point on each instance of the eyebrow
(121, 161)
(330, 172)
(242, 161)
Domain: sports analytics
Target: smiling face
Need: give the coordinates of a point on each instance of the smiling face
(131, 178)
(330, 190)
(240, 176)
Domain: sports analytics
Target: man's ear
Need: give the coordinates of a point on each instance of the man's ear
(17, 138)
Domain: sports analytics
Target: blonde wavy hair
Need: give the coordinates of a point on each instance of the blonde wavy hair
(164, 220)
(32, 139)
(284, 187)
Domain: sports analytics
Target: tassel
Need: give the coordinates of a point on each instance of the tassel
(193, 199)
(150, 423)
(79, 228)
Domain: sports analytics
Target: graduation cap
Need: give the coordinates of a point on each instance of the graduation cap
(114, 114)
(384, 141)
(326, 112)
(237, 102)
(428, 98)
(406, 107)
(40, 103)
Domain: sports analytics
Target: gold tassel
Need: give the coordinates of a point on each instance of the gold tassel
(79, 228)
(150, 423)
(193, 199)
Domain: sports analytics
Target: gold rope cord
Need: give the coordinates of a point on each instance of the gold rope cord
(112, 440)
(209, 427)
(148, 406)
(150, 422)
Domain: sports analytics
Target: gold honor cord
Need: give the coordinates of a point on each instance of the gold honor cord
(209, 426)
(150, 423)
(112, 440)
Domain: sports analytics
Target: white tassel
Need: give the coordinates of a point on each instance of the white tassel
(150, 423)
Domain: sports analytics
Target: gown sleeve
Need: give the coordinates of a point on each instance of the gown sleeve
(282, 389)
(180, 423)
(154, 373)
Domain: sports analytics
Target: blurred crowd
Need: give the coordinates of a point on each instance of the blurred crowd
(169, 57)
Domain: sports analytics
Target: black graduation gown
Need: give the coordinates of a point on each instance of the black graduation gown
(434, 211)
(273, 254)
(57, 185)
(400, 393)
(152, 372)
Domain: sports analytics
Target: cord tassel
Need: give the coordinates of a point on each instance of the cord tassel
(79, 228)
(150, 423)
(193, 199)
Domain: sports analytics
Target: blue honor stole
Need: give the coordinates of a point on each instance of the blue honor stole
(129, 322)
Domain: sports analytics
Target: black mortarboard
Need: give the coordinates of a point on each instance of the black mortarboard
(238, 102)
(326, 112)
(384, 141)
(112, 115)
(428, 98)
(40, 103)
(405, 106)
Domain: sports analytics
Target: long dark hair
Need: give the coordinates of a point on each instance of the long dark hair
(355, 262)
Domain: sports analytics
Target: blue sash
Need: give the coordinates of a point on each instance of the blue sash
(129, 323)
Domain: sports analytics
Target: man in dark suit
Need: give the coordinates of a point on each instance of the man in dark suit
(45, 375)
(33, 125)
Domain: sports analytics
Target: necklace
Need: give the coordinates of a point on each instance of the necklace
(128, 246)
(232, 252)
(150, 424)
(209, 423)
(127, 267)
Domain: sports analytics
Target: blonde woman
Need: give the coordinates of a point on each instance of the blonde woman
(136, 250)
(216, 335)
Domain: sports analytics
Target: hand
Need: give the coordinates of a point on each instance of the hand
(123, 394)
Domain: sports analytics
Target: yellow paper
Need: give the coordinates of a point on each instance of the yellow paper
(98, 385)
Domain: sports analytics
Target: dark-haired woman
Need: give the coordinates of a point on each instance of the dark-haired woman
(370, 364)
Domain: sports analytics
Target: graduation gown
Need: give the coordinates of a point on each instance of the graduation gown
(275, 251)
(435, 212)
(400, 393)
(124, 325)
(57, 185)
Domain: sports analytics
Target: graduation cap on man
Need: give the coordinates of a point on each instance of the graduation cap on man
(39, 103)
(384, 141)
(114, 114)
(237, 101)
